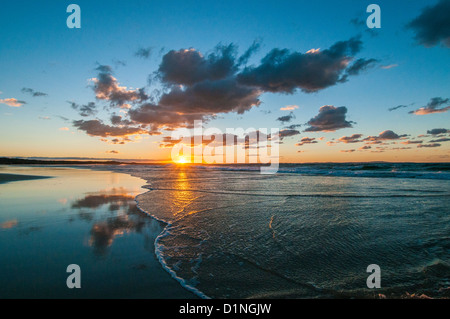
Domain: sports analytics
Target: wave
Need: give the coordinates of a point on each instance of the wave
(385, 170)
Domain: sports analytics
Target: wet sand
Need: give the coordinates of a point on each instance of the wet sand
(6, 178)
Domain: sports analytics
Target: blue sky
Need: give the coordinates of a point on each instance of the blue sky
(38, 51)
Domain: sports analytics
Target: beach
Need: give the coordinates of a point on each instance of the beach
(78, 216)
(185, 231)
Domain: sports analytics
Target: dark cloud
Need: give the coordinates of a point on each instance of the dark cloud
(211, 97)
(97, 128)
(307, 140)
(187, 67)
(429, 145)
(144, 52)
(284, 71)
(293, 126)
(383, 136)
(397, 107)
(355, 138)
(243, 59)
(412, 142)
(86, 110)
(437, 131)
(33, 92)
(434, 106)
(329, 119)
(286, 118)
(106, 87)
(440, 140)
(361, 65)
(288, 133)
(432, 26)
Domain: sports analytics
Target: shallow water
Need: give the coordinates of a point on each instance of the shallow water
(239, 234)
(230, 232)
(84, 217)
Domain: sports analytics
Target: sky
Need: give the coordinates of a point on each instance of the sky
(138, 71)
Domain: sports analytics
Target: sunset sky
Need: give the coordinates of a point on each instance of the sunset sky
(138, 70)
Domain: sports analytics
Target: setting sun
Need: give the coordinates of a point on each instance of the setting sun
(181, 160)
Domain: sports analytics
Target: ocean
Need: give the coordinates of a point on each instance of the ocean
(309, 231)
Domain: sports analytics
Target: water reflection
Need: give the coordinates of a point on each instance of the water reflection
(126, 219)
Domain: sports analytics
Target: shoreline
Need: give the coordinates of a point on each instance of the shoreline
(165, 227)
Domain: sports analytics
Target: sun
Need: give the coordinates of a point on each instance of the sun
(182, 160)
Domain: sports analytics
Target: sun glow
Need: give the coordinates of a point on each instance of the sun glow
(181, 160)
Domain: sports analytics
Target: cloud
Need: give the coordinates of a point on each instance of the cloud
(389, 66)
(33, 92)
(188, 67)
(144, 52)
(329, 119)
(437, 131)
(284, 71)
(64, 129)
(412, 142)
(112, 152)
(243, 59)
(434, 106)
(197, 86)
(307, 140)
(440, 140)
(429, 145)
(347, 151)
(86, 110)
(361, 65)
(286, 118)
(12, 102)
(432, 26)
(365, 147)
(398, 107)
(106, 87)
(97, 128)
(383, 136)
(355, 138)
(288, 133)
(289, 108)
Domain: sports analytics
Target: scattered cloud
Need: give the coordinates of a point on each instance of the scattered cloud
(33, 92)
(389, 66)
(355, 138)
(307, 140)
(97, 128)
(64, 129)
(144, 52)
(12, 102)
(361, 65)
(432, 26)
(112, 152)
(399, 107)
(329, 119)
(286, 118)
(434, 106)
(383, 136)
(106, 87)
(429, 145)
(86, 110)
(437, 131)
(289, 108)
